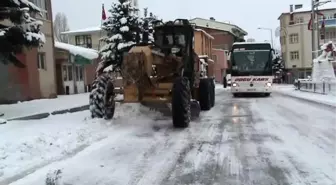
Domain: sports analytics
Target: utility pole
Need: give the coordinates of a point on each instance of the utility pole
(313, 29)
(317, 30)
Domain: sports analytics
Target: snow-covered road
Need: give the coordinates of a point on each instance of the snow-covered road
(250, 141)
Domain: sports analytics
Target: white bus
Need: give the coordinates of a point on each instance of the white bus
(251, 68)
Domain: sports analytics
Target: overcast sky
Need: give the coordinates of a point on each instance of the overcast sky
(247, 14)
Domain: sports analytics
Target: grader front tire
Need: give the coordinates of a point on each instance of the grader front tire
(101, 105)
(181, 98)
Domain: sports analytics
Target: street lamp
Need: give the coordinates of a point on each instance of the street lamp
(269, 29)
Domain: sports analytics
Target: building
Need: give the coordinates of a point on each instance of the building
(296, 39)
(225, 34)
(37, 80)
(75, 69)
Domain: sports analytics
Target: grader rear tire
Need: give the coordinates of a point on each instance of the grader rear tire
(101, 105)
(212, 90)
(181, 98)
(205, 94)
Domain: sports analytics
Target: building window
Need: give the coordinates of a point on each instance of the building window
(42, 4)
(294, 38)
(41, 61)
(299, 20)
(65, 73)
(335, 16)
(84, 41)
(69, 73)
(79, 73)
(294, 55)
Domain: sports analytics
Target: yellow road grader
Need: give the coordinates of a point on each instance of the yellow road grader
(166, 72)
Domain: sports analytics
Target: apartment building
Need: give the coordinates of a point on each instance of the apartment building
(296, 38)
(37, 79)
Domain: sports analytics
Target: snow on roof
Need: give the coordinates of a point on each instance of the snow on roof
(239, 43)
(306, 8)
(207, 34)
(84, 30)
(77, 50)
(205, 23)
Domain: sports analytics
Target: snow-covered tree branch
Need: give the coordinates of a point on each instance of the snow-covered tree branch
(122, 28)
(18, 29)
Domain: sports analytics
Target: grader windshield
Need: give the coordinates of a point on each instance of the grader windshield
(177, 34)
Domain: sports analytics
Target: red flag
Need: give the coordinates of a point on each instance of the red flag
(323, 21)
(310, 22)
(103, 13)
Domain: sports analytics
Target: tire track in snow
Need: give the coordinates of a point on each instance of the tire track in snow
(301, 140)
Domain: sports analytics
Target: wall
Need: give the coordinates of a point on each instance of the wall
(16, 83)
(48, 75)
(223, 39)
(90, 72)
(220, 64)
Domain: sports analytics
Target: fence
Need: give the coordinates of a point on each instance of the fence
(317, 87)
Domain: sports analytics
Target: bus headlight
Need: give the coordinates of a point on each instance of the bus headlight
(234, 85)
(269, 84)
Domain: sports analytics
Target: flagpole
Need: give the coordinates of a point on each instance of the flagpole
(100, 29)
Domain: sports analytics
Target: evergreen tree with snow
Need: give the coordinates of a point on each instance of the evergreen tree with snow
(18, 30)
(278, 64)
(122, 29)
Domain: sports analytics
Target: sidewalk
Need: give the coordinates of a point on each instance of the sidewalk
(44, 107)
(289, 90)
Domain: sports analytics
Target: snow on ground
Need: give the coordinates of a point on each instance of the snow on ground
(320, 98)
(29, 145)
(27, 108)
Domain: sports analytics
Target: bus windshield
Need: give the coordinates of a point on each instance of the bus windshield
(251, 62)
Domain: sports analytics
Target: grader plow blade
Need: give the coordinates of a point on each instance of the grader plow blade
(165, 108)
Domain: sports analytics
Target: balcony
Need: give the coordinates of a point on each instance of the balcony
(329, 23)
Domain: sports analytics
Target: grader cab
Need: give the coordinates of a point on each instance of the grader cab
(168, 72)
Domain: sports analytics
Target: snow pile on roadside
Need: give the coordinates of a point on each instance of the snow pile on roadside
(43, 105)
(289, 90)
(41, 142)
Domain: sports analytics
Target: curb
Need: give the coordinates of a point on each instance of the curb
(47, 114)
(307, 100)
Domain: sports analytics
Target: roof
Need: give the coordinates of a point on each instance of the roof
(307, 8)
(90, 54)
(252, 43)
(205, 23)
(84, 30)
(207, 34)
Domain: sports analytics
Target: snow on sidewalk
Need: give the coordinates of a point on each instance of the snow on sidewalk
(25, 146)
(28, 108)
(319, 98)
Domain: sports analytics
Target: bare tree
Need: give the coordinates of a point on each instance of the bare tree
(61, 25)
